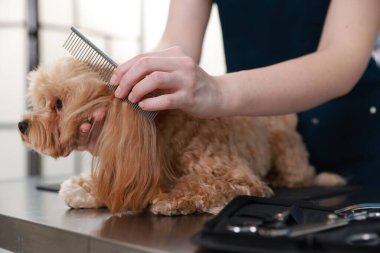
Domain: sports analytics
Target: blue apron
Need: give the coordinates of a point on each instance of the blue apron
(342, 135)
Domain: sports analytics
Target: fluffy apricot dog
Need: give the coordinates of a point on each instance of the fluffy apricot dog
(176, 164)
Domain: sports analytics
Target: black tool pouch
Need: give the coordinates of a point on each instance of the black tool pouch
(315, 204)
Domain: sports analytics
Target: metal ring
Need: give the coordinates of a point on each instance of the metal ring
(242, 229)
(369, 239)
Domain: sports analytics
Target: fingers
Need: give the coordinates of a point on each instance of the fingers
(98, 114)
(170, 70)
(142, 68)
(163, 102)
(156, 80)
(124, 68)
(85, 128)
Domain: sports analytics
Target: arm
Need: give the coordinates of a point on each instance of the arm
(185, 26)
(344, 50)
(347, 39)
(180, 44)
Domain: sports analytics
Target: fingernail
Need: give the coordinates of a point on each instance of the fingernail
(131, 98)
(141, 104)
(118, 92)
(113, 79)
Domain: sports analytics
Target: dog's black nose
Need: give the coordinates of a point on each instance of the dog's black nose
(23, 126)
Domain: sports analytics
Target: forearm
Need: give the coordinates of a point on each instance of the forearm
(292, 86)
(302, 83)
(185, 27)
(191, 48)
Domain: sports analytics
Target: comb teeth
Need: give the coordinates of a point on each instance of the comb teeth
(85, 51)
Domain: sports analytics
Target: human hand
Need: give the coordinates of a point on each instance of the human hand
(88, 132)
(182, 83)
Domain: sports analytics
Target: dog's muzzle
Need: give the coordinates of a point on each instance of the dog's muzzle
(23, 126)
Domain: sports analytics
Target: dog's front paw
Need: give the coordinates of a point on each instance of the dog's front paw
(76, 192)
(167, 207)
(167, 204)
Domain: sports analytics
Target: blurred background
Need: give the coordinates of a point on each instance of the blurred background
(32, 32)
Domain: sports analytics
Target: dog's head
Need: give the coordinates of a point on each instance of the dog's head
(61, 96)
(129, 166)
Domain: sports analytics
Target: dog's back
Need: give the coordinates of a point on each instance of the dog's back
(187, 138)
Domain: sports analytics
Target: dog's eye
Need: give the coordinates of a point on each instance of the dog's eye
(58, 104)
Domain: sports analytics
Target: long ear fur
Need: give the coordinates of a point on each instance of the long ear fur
(130, 163)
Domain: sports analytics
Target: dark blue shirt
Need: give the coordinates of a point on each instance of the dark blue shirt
(342, 135)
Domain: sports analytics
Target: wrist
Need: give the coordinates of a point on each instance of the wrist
(229, 96)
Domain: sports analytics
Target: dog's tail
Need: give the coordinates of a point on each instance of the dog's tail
(328, 179)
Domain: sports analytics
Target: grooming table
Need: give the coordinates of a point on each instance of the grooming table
(34, 220)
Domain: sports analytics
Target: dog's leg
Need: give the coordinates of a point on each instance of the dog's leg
(290, 165)
(206, 193)
(77, 192)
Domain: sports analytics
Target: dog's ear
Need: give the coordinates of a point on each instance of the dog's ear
(41, 85)
(130, 164)
(49, 81)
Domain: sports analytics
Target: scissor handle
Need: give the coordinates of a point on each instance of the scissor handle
(358, 207)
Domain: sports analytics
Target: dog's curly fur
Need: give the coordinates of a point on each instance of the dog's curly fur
(177, 164)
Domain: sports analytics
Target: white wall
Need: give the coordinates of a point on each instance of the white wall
(122, 28)
(155, 13)
(12, 87)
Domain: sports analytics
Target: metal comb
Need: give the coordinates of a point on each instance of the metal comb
(85, 51)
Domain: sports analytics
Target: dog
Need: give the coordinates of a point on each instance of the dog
(174, 165)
